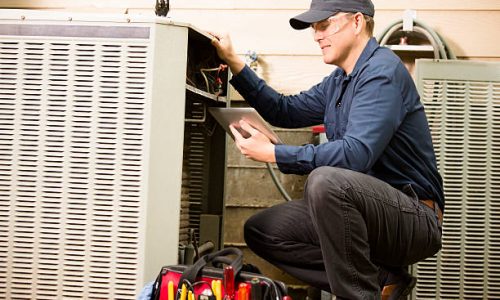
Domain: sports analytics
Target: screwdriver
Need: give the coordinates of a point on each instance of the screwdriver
(229, 282)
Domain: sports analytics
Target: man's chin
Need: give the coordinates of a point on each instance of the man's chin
(328, 60)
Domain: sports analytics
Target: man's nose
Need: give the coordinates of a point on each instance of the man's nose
(317, 36)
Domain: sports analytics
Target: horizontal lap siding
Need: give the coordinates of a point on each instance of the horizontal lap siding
(256, 4)
(469, 27)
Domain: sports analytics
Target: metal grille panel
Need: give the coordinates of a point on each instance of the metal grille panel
(464, 117)
(71, 159)
(198, 132)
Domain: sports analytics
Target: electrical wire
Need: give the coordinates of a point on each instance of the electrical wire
(202, 71)
(216, 81)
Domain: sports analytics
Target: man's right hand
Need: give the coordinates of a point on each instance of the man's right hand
(226, 52)
(255, 145)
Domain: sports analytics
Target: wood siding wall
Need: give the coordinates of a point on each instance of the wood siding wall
(290, 61)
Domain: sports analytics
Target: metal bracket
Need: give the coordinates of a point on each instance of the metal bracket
(408, 16)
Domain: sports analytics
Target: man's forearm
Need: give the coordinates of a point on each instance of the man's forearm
(235, 63)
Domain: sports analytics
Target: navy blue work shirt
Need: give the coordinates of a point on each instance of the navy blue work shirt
(373, 117)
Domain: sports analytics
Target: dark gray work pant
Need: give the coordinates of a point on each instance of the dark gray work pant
(347, 227)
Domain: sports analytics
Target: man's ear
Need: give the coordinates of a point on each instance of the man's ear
(359, 23)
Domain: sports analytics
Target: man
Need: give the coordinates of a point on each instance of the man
(373, 200)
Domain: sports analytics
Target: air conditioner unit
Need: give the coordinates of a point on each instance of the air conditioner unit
(462, 102)
(100, 138)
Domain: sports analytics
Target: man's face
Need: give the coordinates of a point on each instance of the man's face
(334, 36)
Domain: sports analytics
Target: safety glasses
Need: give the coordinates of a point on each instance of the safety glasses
(332, 24)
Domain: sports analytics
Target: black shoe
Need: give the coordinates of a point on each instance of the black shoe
(401, 282)
(403, 288)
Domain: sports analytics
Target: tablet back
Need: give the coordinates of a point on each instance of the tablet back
(232, 115)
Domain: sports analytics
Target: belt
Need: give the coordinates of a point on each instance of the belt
(432, 205)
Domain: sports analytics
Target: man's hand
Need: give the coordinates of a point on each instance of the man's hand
(224, 47)
(257, 146)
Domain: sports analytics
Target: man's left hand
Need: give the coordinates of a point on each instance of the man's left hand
(257, 146)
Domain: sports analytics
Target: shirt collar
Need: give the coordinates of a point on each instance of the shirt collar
(370, 47)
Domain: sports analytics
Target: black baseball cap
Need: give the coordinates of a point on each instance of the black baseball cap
(323, 9)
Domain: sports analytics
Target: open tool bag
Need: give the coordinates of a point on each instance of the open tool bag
(216, 276)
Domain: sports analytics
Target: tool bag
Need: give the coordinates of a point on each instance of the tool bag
(216, 276)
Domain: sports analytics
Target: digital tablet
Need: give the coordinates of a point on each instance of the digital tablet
(226, 116)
